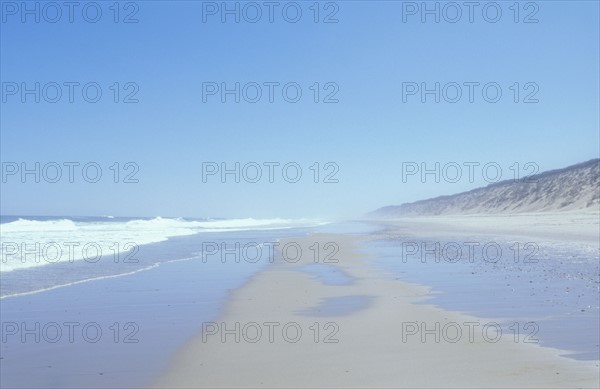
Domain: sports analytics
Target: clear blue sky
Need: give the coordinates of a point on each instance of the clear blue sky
(369, 133)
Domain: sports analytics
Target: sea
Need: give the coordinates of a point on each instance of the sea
(160, 280)
(41, 253)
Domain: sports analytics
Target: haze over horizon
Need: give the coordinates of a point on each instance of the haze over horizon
(487, 182)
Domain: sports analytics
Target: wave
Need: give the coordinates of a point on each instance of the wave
(24, 225)
(28, 243)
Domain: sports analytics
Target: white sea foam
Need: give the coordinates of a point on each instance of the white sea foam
(31, 243)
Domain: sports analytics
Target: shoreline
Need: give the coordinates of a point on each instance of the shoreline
(143, 318)
(372, 316)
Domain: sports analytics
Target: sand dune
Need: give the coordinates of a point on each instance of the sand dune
(575, 187)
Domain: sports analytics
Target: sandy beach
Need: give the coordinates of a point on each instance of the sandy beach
(581, 227)
(295, 329)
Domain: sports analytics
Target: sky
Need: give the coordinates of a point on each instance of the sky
(360, 121)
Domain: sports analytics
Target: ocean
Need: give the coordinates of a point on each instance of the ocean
(61, 330)
(41, 253)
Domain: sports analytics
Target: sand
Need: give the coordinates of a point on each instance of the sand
(573, 227)
(369, 315)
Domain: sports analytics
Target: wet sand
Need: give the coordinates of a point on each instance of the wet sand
(360, 333)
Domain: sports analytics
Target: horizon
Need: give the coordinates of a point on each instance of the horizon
(330, 220)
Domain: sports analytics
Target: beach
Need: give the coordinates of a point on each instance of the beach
(293, 327)
(567, 227)
(330, 305)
